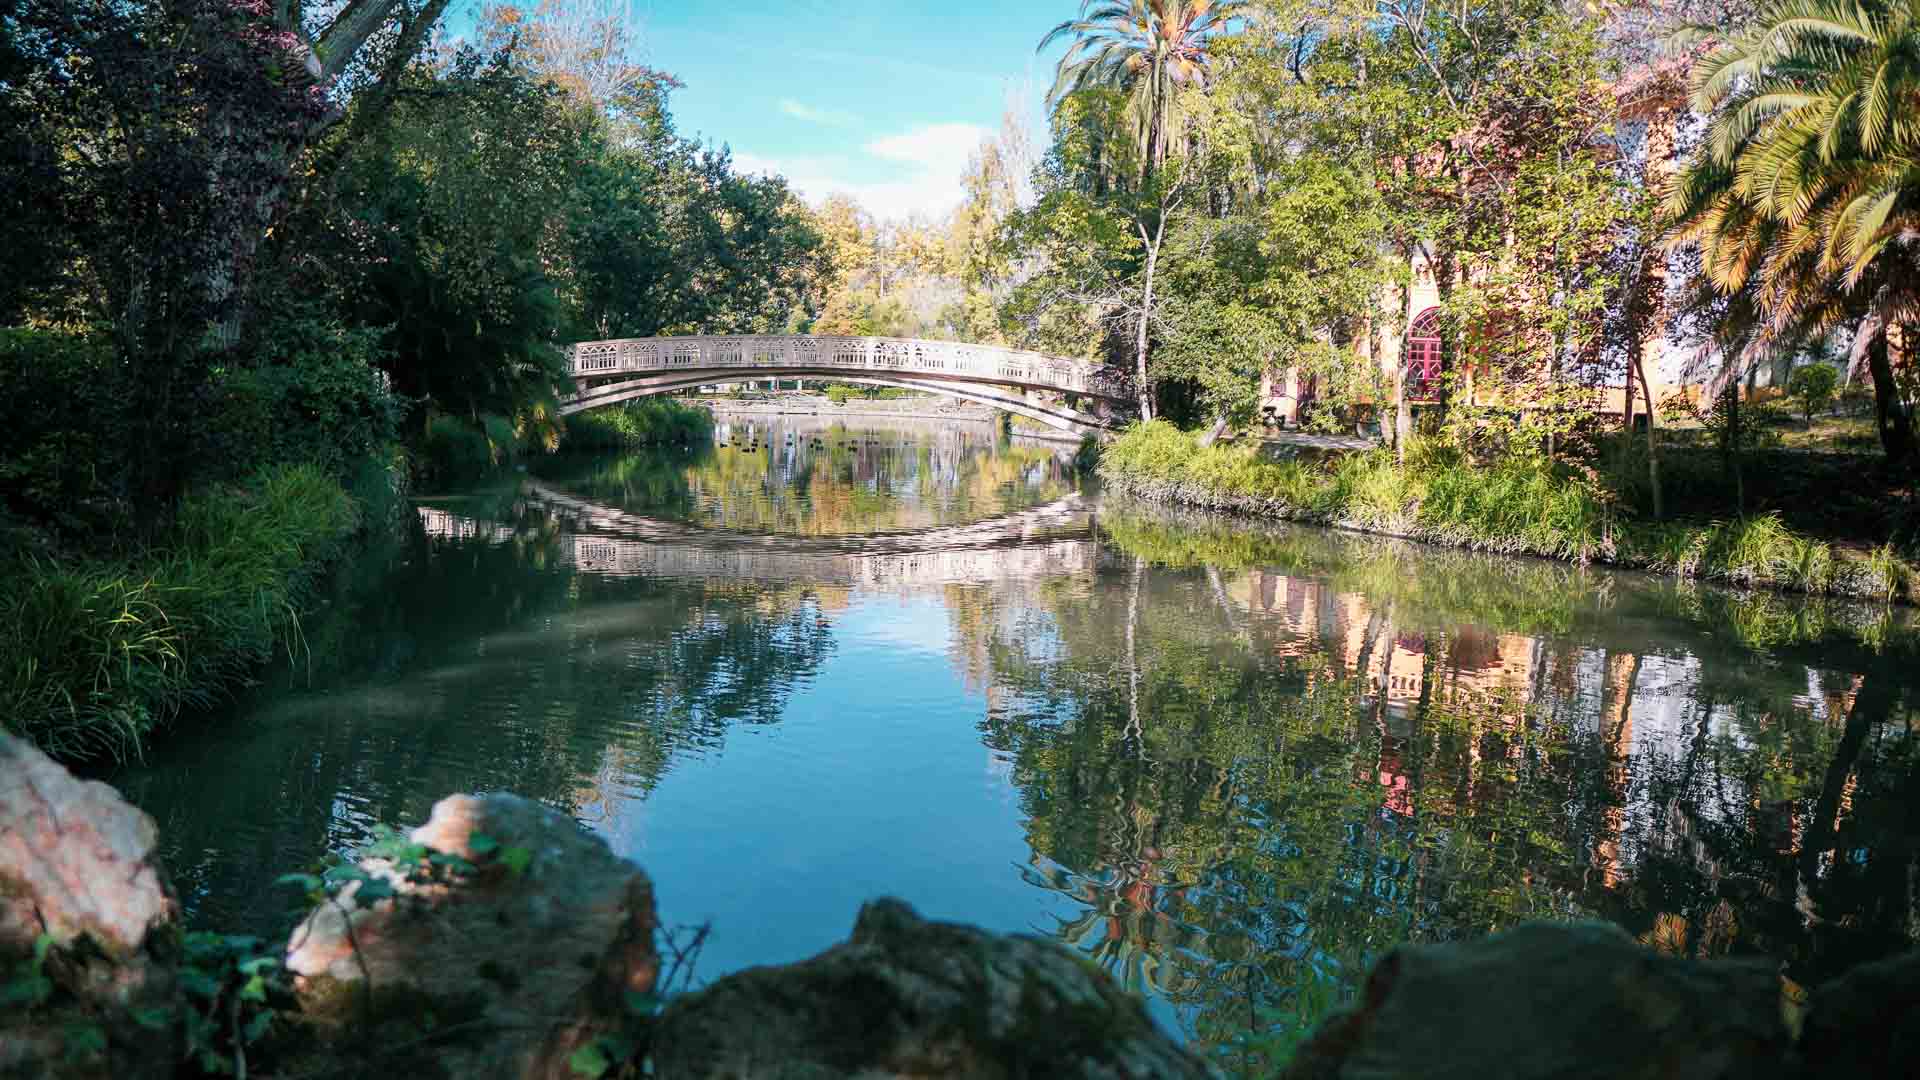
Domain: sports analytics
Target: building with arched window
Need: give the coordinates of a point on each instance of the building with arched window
(1407, 343)
(1421, 357)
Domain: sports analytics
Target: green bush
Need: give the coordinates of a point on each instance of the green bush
(1812, 388)
(454, 451)
(1514, 506)
(315, 394)
(1438, 495)
(652, 422)
(95, 655)
(63, 454)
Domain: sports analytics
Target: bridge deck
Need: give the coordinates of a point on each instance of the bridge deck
(771, 356)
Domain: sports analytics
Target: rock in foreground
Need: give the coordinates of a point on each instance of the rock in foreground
(531, 956)
(1566, 1001)
(75, 859)
(909, 998)
(1866, 1023)
(80, 866)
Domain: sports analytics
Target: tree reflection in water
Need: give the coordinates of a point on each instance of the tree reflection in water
(1243, 761)
(1300, 760)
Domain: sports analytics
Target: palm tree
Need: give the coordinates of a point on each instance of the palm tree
(1807, 190)
(1147, 49)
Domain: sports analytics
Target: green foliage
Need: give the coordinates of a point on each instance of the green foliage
(841, 393)
(1805, 187)
(1758, 550)
(1813, 387)
(1147, 51)
(454, 451)
(1273, 287)
(26, 985)
(63, 451)
(94, 655)
(315, 393)
(1439, 495)
(1515, 505)
(649, 422)
(461, 197)
(232, 985)
(600, 1056)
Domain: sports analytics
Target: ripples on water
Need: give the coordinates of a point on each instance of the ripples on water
(1230, 764)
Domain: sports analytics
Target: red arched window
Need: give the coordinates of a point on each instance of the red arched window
(1423, 357)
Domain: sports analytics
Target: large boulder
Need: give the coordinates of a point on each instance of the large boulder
(544, 950)
(75, 859)
(87, 927)
(1567, 1001)
(909, 998)
(1866, 1023)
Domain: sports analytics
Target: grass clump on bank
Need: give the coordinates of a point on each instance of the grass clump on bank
(653, 422)
(94, 655)
(1514, 507)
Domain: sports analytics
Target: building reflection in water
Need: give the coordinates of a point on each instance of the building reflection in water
(1327, 770)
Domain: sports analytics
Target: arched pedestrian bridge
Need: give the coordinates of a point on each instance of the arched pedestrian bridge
(609, 372)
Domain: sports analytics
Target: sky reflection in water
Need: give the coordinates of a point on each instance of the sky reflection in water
(1231, 764)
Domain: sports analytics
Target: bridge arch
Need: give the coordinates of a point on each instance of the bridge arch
(1055, 416)
(610, 372)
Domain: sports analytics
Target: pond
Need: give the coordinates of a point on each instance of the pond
(1231, 764)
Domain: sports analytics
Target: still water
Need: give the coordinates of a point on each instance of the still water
(1230, 764)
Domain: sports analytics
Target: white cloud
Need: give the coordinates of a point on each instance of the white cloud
(828, 117)
(932, 148)
(914, 172)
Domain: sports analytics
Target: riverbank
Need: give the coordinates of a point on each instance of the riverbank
(98, 652)
(1514, 509)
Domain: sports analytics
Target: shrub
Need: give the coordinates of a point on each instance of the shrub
(62, 454)
(315, 394)
(1812, 387)
(503, 440)
(1517, 506)
(95, 655)
(652, 422)
(1438, 495)
(454, 451)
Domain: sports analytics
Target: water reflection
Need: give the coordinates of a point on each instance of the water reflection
(805, 477)
(1229, 764)
(1350, 744)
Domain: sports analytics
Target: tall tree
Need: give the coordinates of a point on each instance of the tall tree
(164, 136)
(1147, 49)
(1808, 187)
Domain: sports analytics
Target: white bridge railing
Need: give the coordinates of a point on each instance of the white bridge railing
(776, 354)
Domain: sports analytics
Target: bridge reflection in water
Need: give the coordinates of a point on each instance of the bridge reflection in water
(1045, 541)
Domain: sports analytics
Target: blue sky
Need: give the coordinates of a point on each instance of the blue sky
(880, 100)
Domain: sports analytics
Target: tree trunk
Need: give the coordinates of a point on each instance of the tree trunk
(1730, 447)
(1140, 334)
(1218, 429)
(1402, 419)
(1653, 443)
(1891, 412)
(1872, 704)
(1627, 402)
